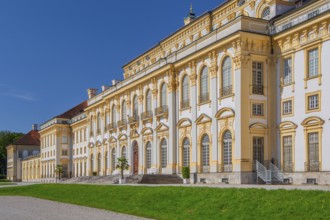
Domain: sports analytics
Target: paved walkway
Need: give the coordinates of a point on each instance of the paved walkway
(27, 208)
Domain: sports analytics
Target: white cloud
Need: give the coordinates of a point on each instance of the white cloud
(23, 95)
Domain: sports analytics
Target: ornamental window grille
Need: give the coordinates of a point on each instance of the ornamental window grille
(163, 98)
(148, 101)
(313, 151)
(258, 109)
(227, 148)
(99, 163)
(287, 107)
(113, 160)
(164, 153)
(205, 151)
(313, 60)
(186, 152)
(185, 92)
(287, 77)
(123, 110)
(204, 84)
(266, 14)
(257, 78)
(148, 155)
(113, 114)
(313, 102)
(226, 77)
(287, 153)
(258, 149)
(135, 107)
(123, 152)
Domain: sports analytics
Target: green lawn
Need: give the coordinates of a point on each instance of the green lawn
(187, 202)
(6, 183)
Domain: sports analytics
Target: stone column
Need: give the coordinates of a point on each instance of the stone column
(155, 145)
(172, 145)
(214, 108)
(140, 140)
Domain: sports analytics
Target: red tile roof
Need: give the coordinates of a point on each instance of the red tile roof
(74, 111)
(31, 138)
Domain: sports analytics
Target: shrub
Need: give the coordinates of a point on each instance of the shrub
(185, 172)
(94, 173)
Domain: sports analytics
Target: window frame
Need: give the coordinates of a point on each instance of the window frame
(307, 101)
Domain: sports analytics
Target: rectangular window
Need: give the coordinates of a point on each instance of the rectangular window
(64, 152)
(287, 77)
(258, 149)
(64, 139)
(257, 78)
(258, 109)
(287, 107)
(313, 102)
(313, 63)
(287, 153)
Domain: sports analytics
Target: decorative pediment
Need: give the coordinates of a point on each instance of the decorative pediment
(134, 133)
(312, 121)
(161, 127)
(225, 113)
(203, 118)
(91, 145)
(287, 125)
(146, 131)
(98, 144)
(112, 139)
(185, 122)
(122, 137)
(105, 141)
(258, 126)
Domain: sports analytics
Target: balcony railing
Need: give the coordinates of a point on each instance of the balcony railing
(258, 89)
(312, 166)
(161, 110)
(226, 91)
(133, 119)
(112, 126)
(146, 115)
(185, 104)
(122, 123)
(204, 98)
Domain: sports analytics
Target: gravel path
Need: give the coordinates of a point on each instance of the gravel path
(27, 208)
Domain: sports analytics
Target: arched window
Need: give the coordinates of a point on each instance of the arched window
(106, 162)
(123, 152)
(113, 160)
(123, 110)
(266, 14)
(92, 163)
(164, 153)
(227, 151)
(135, 107)
(205, 150)
(98, 122)
(163, 98)
(148, 155)
(148, 101)
(204, 85)
(185, 92)
(186, 152)
(99, 163)
(113, 114)
(226, 84)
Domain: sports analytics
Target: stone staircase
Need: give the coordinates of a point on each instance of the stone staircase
(133, 179)
(161, 179)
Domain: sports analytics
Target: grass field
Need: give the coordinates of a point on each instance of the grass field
(187, 202)
(6, 183)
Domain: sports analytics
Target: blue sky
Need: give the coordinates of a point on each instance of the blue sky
(52, 51)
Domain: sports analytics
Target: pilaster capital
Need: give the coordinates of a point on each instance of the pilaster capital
(241, 60)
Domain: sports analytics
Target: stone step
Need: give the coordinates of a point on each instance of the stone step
(161, 179)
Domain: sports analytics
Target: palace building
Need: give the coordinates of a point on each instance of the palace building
(238, 93)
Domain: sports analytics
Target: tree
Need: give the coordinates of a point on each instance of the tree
(6, 138)
(59, 170)
(122, 165)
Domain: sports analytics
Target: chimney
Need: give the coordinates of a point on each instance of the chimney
(35, 127)
(91, 93)
(191, 16)
(115, 82)
(105, 88)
